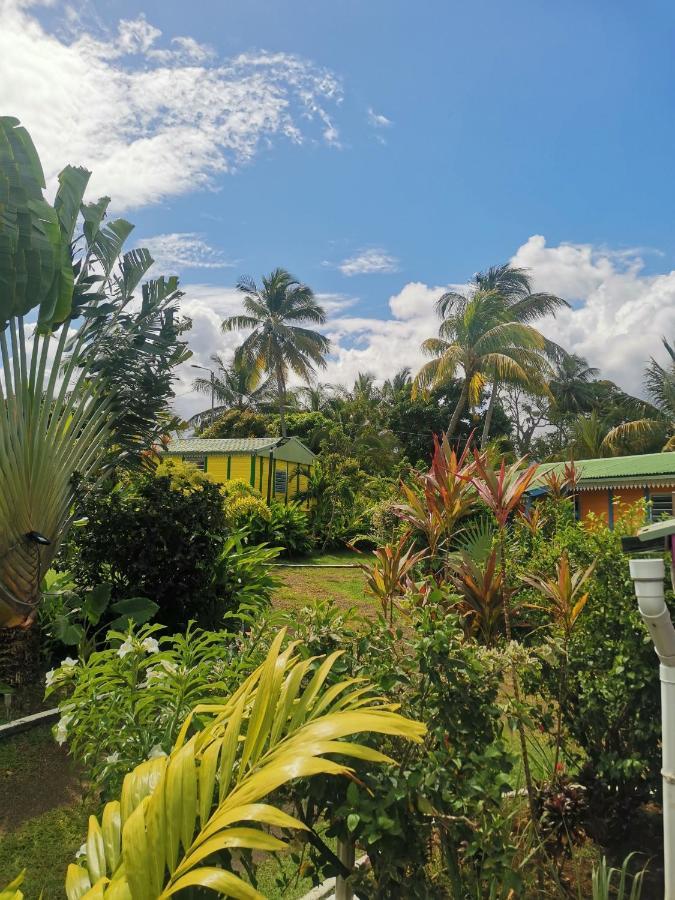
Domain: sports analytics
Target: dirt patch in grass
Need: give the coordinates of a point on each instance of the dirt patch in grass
(342, 587)
(38, 774)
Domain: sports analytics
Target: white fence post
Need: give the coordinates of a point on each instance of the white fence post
(346, 851)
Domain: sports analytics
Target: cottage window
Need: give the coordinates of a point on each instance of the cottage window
(662, 505)
(280, 481)
(199, 461)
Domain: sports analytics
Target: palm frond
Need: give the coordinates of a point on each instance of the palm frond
(176, 813)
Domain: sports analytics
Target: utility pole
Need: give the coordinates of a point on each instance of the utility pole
(212, 378)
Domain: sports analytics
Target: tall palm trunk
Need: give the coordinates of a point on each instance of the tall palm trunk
(459, 409)
(494, 393)
(281, 389)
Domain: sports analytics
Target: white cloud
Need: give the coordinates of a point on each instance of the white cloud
(617, 321)
(151, 121)
(378, 123)
(377, 120)
(619, 315)
(183, 250)
(369, 262)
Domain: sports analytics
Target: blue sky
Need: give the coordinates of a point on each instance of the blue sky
(441, 138)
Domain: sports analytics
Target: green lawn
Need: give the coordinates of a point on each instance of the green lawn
(309, 582)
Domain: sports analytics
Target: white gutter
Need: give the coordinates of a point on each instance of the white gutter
(648, 575)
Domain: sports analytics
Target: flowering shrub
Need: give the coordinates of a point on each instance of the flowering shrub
(244, 505)
(127, 702)
(448, 792)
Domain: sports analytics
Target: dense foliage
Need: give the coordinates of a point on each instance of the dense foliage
(157, 534)
(449, 789)
(612, 705)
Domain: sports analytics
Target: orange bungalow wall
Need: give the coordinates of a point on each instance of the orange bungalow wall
(598, 501)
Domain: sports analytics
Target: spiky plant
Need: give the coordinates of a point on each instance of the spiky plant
(85, 368)
(180, 816)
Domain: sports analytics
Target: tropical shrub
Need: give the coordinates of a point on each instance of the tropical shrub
(241, 575)
(287, 527)
(310, 427)
(127, 702)
(237, 423)
(205, 799)
(69, 618)
(342, 498)
(612, 707)
(449, 789)
(156, 534)
(244, 505)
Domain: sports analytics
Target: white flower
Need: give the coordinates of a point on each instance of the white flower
(168, 666)
(127, 647)
(81, 852)
(62, 729)
(156, 752)
(49, 678)
(150, 644)
(113, 758)
(155, 674)
(69, 663)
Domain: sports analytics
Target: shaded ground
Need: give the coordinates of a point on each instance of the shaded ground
(42, 817)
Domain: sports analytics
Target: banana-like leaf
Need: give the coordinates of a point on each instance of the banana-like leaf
(31, 241)
(69, 393)
(177, 814)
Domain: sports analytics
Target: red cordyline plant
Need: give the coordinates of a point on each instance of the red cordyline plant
(389, 577)
(502, 492)
(439, 498)
(560, 484)
(565, 603)
(533, 518)
(482, 593)
(501, 489)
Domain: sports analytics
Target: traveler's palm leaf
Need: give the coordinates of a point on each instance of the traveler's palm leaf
(179, 815)
(69, 392)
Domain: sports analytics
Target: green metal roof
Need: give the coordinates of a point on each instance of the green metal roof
(598, 472)
(222, 445)
(291, 448)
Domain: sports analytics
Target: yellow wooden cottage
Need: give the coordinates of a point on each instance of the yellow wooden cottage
(277, 467)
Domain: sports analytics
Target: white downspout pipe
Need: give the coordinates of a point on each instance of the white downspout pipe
(648, 575)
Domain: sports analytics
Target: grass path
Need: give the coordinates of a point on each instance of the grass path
(303, 585)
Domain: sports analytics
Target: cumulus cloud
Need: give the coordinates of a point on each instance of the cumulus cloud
(374, 260)
(153, 121)
(619, 314)
(618, 317)
(183, 250)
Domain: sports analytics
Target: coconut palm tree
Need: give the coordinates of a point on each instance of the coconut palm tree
(234, 385)
(315, 396)
(659, 383)
(571, 384)
(479, 338)
(399, 383)
(514, 285)
(276, 313)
